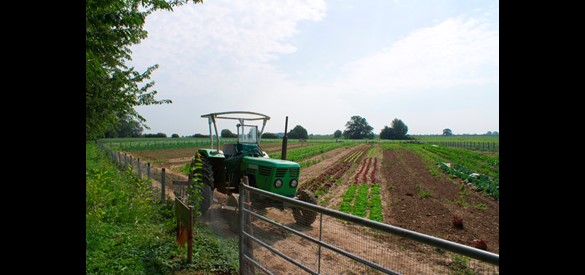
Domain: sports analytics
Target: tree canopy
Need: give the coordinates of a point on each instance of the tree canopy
(337, 134)
(126, 128)
(298, 132)
(398, 130)
(113, 89)
(226, 133)
(357, 128)
(269, 135)
(387, 133)
(447, 132)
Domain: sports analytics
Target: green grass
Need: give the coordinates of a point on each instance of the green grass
(129, 232)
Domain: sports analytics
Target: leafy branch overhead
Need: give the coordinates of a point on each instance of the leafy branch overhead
(112, 88)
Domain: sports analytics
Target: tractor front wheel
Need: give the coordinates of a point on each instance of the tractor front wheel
(206, 172)
(304, 216)
(207, 199)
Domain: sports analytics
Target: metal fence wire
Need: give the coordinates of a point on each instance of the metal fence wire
(174, 184)
(273, 242)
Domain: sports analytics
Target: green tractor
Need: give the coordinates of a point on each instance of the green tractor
(224, 170)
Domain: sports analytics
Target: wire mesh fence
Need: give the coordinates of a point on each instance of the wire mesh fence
(167, 183)
(278, 238)
(474, 145)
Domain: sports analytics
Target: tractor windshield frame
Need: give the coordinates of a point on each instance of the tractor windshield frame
(242, 117)
(251, 137)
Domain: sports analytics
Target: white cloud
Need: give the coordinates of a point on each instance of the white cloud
(452, 53)
(214, 38)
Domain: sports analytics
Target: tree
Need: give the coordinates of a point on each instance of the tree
(400, 129)
(387, 133)
(337, 134)
(447, 132)
(298, 132)
(226, 133)
(357, 128)
(175, 135)
(157, 135)
(269, 135)
(126, 128)
(112, 89)
(397, 130)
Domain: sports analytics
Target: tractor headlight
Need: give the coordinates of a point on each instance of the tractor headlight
(293, 183)
(278, 183)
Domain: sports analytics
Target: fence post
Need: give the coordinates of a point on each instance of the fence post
(148, 170)
(245, 225)
(190, 237)
(139, 171)
(320, 239)
(162, 185)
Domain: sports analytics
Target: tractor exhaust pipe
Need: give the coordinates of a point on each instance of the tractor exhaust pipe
(284, 140)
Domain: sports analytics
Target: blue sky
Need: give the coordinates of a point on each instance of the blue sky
(432, 64)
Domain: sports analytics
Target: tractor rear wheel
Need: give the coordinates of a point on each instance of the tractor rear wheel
(304, 216)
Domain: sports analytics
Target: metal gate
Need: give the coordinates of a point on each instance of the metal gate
(271, 242)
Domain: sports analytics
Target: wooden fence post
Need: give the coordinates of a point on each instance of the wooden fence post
(148, 170)
(139, 171)
(162, 183)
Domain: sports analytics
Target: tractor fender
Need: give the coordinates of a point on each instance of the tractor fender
(211, 153)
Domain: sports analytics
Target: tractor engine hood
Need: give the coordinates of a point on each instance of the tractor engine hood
(267, 171)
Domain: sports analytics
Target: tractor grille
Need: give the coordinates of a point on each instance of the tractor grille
(294, 172)
(280, 172)
(264, 170)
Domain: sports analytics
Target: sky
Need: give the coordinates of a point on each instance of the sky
(432, 64)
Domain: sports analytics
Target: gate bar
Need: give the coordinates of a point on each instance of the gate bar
(458, 248)
(326, 245)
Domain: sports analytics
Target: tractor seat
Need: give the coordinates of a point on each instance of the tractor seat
(229, 149)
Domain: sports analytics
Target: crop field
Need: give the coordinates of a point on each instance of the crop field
(447, 192)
